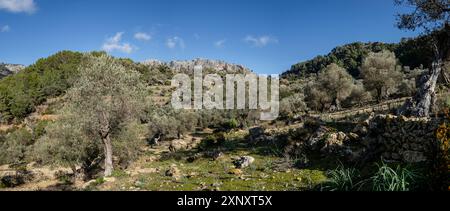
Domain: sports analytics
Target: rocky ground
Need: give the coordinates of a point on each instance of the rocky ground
(282, 156)
(180, 166)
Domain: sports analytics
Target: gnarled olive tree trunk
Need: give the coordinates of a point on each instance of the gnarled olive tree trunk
(423, 102)
(108, 156)
(105, 133)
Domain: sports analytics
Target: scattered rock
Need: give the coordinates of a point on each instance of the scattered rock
(317, 136)
(414, 157)
(243, 162)
(334, 143)
(174, 172)
(214, 155)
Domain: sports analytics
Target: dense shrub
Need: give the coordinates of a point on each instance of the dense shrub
(167, 123)
(128, 142)
(292, 105)
(14, 146)
(358, 97)
(49, 77)
(212, 141)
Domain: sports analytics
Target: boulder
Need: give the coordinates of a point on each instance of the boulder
(244, 162)
(318, 136)
(334, 143)
(173, 172)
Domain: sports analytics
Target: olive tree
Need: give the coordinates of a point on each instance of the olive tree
(431, 16)
(294, 104)
(105, 98)
(316, 98)
(381, 73)
(332, 86)
(359, 96)
(337, 82)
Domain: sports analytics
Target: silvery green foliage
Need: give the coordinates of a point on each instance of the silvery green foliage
(106, 98)
(332, 86)
(292, 105)
(381, 73)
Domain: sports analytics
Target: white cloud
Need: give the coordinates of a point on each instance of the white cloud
(115, 44)
(261, 41)
(18, 6)
(141, 36)
(175, 42)
(5, 28)
(220, 43)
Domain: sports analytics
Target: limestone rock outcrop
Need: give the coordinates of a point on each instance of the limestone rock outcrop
(9, 69)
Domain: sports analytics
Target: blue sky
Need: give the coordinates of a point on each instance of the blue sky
(267, 36)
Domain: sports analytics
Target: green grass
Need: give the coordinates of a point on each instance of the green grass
(394, 179)
(212, 175)
(383, 178)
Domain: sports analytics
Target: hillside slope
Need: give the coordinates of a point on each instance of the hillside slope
(410, 52)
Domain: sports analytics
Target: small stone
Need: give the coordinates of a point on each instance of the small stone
(413, 157)
(173, 172)
(235, 172)
(244, 162)
(109, 179)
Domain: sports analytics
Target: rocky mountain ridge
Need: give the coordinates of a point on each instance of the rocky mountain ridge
(188, 66)
(9, 69)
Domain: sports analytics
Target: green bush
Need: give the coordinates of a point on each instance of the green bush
(39, 129)
(212, 141)
(230, 125)
(15, 146)
(128, 142)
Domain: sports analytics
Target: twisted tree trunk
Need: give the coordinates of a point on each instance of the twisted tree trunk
(105, 134)
(108, 156)
(423, 102)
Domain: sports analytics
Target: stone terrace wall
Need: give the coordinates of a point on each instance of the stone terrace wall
(398, 138)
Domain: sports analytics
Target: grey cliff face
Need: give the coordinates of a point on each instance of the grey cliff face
(9, 69)
(188, 66)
